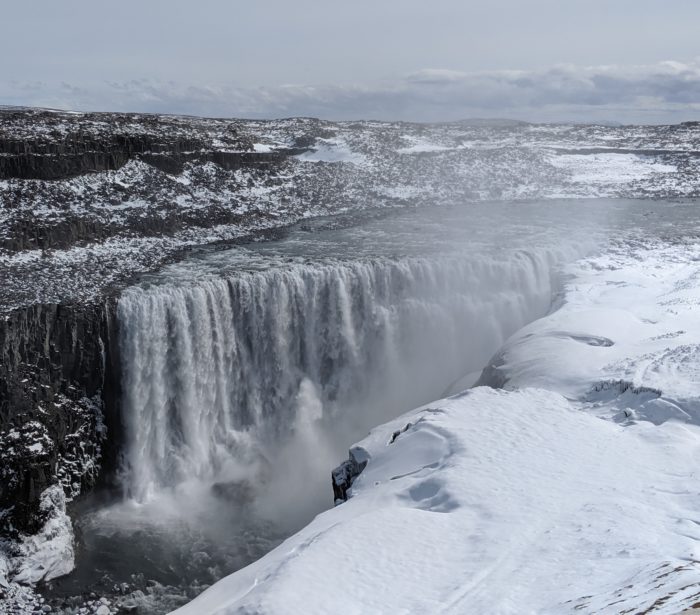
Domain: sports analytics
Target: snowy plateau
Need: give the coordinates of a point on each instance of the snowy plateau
(199, 316)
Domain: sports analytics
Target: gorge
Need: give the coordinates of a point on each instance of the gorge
(203, 341)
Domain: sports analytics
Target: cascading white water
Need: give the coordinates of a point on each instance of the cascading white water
(220, 373)
(249, 370)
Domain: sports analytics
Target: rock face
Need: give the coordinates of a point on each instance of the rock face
(58, 395)
(68, 145)
(345, 474)
(72, 146)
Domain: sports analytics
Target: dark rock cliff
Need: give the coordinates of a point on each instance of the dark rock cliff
(73, 146)
(49, 200)
(58, 399)
(80, 155)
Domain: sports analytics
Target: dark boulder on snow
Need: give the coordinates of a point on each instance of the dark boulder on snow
(345, 474)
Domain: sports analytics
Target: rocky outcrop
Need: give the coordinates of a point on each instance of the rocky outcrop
(70, 145)
(58, 397)
(79, 154)
(345, 474)
(30, 233)
(51, 197)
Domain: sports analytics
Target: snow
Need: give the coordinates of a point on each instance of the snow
(4, 571)
(332, 150)
(418, 145)
(36, 448)
(573, 489)
(643, 301)
(422, 147)
(48, 554)
(607, 168)
(401, 191)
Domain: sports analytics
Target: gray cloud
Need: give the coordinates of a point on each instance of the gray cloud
(434, 76)
(665, 91)
(408, 59)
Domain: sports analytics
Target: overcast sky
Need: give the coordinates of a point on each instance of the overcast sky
(541, 60)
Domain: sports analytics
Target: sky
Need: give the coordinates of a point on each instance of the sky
(418, 60)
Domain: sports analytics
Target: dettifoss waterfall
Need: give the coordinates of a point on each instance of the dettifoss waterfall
(248, 372)
(221, 373)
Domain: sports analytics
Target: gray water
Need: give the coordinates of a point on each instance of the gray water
(248, 371)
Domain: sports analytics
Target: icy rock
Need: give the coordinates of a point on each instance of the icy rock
(49, 553)
(103, 610)
(4, 571)
(344, 475)
(52, 372)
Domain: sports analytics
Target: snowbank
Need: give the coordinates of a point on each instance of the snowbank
(332, 150)
(629, 324)
(49, 553)
(556, 499)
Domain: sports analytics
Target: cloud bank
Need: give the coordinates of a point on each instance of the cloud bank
(655, 93)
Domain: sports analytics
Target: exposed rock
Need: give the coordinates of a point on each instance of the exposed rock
(67, 145)
(56, 382)
(345, 474)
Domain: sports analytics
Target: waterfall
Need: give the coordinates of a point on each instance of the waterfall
(220, 372)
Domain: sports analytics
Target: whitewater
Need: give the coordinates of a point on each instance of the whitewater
(233, 358)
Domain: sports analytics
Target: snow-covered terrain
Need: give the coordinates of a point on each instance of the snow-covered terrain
(567, 486)
(571, 488)
(92, 199)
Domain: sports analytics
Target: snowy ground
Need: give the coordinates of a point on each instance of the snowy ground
(75, 238)
(571, 489)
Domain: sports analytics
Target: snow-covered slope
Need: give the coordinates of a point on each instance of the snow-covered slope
(577, 496)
